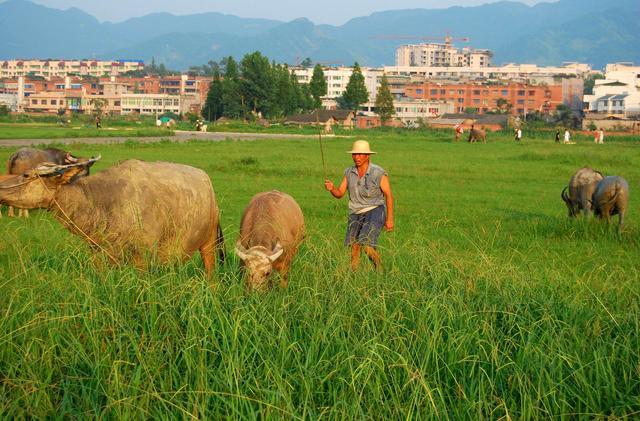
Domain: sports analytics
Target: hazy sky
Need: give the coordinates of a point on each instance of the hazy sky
(323, 11)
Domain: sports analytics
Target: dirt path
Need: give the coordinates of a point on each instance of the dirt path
(180, 136)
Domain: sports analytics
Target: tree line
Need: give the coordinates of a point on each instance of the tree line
(257, 87)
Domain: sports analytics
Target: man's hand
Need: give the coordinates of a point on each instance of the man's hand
(328, 185)
(388, 225)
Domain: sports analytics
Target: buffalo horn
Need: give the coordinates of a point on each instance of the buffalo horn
(277, 252)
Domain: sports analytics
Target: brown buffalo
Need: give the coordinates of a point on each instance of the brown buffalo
(271, 229)
(581, 187)
(611, 197)
(25, 159)
(130, 211)
(476, 135)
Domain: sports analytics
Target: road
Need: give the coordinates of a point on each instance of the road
(180, 136)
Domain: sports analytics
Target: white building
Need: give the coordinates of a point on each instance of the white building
(410, 111)
(441, 55)
(10, 101)
(61, 68)
(511, 71)
(149, 104)
(618, 93)
(338, 78)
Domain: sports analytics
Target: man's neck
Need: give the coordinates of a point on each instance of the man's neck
(362, 169)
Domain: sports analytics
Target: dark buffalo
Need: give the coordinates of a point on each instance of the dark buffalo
(611, 197)
(581, 187)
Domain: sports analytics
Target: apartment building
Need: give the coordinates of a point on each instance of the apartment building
(150, 104)
(411, 110)
(618, 94)
(519, 98)
(441, 55)
(510, 72)
(51, 68)
(338, 78)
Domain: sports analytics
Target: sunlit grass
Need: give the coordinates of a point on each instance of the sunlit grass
(492, 304)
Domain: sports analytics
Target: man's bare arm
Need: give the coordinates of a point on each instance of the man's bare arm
(385, 186)
(336, 192)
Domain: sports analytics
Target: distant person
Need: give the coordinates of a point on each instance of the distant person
(557, 136)
(595, 136)
(601, 136)
(459, 130)
(470, 133)
(518, 135)
(567, 136)
(370, 204)
(158, 122)
(98, 122)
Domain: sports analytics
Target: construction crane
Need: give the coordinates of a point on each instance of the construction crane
(448, 39)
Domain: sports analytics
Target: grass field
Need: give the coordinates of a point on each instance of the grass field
(53, 131)
(492, 305)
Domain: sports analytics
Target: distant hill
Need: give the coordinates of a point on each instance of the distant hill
(590, 31)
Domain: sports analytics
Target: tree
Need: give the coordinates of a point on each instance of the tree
(318, 85)
(590, 82)
(504, 106)
(306, 63)
(257, 82)
(356, 92)
(232, 101)
(384, 101)
(214, 107)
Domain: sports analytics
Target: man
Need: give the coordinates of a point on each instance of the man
(459, 130)
(601, 136)
(567, 136)
(370, 203)
(518, 135)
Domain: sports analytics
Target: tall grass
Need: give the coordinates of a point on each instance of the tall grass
(492, 304)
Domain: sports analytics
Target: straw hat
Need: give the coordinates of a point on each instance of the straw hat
(361, 146)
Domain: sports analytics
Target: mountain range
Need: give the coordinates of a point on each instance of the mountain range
(589, 31)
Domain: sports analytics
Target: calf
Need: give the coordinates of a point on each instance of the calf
(271, 230)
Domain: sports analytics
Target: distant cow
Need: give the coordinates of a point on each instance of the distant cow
(581, 187)
(271, 229)
(130, 211)
(476, 135)
(25, 159)
(611, 197)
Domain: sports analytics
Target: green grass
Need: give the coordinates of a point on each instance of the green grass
(493, 303)
(52, 131)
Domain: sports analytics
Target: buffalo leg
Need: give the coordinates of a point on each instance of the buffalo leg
(11, 213)
(23, 213)
(207, 251)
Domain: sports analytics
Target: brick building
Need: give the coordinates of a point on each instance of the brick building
(484, 97)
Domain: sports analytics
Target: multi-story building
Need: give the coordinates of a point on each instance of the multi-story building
(441, 55)
(618, 94)
(409, 110)
(338, 78)
(51, 68)
(516, 97)
(150, 104)
(89, 94)
(510, 72)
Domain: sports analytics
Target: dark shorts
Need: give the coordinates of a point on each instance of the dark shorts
(365, 228)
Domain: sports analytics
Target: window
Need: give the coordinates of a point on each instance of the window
(504, 92)
(434, 92)
(116, 103)
(54, 102)
(460, 92)
(443, 91)
(44, 102)
(34, 101)
(520, 93)
(476, 91)
(532, 93)
(460, 100)
(419, 91)
(476, 101)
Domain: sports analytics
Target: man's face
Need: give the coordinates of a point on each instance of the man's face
(360, 159)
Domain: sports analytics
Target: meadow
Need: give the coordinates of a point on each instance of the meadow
(492, 304)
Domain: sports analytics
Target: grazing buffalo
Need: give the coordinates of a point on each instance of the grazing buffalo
(271, 229)
(611, 197)
(25, 159)
(476, 135)
(581, 187)
(130, 211)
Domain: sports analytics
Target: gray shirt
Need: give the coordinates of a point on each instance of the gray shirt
(364, 192)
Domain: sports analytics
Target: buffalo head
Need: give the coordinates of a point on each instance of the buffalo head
(258, 261)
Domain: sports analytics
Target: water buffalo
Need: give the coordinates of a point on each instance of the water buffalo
(130, 211)
(25, 159)
(581, 187)
(271, 229)
(611, 197)
(476, 135)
